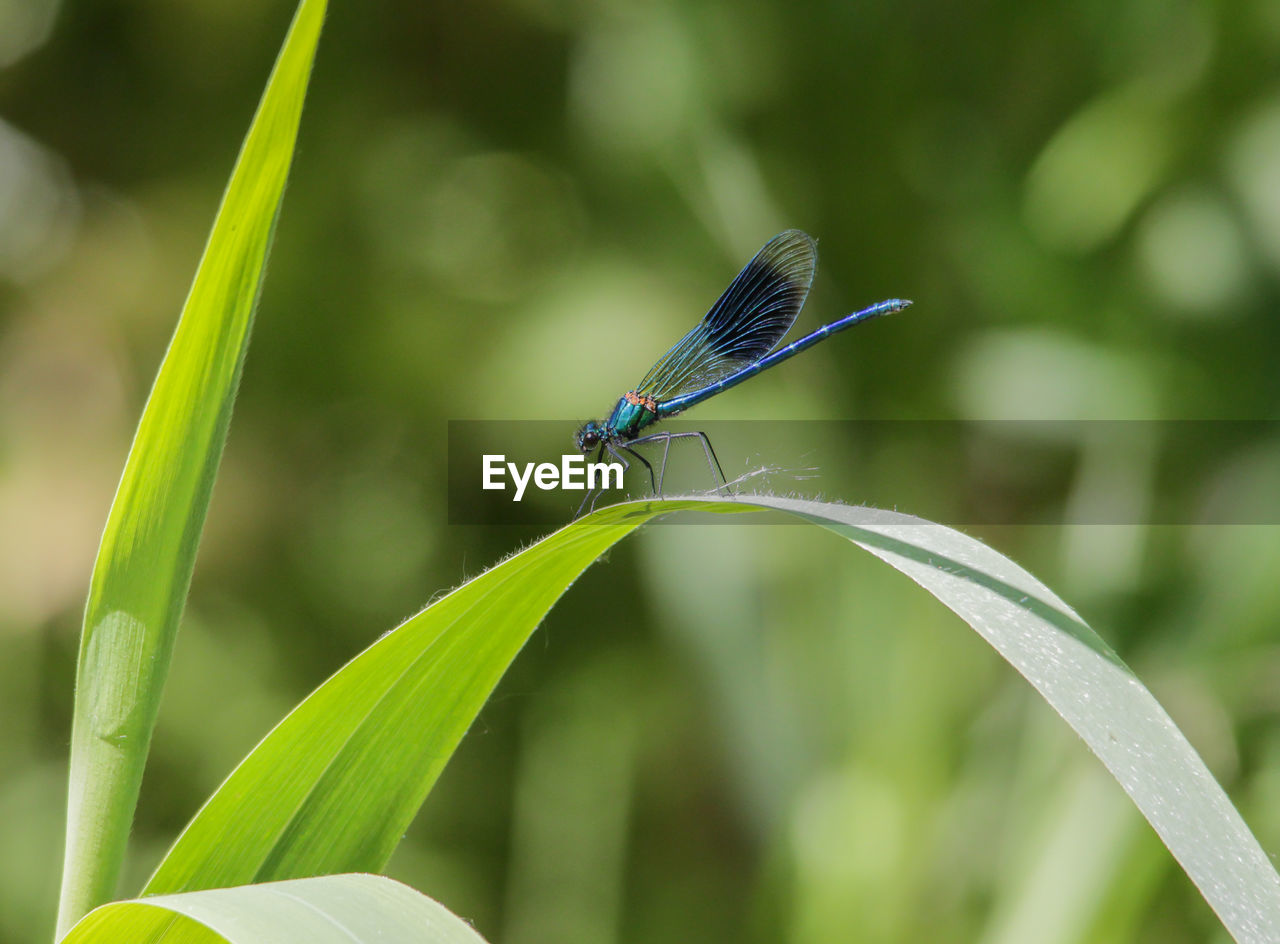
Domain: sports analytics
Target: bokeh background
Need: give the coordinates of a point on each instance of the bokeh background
(508, 210)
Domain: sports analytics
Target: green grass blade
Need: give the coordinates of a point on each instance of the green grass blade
(148, 547)
(1092, 689)
(333, 909)
(333, 787)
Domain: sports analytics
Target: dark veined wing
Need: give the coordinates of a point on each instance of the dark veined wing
(752, 315)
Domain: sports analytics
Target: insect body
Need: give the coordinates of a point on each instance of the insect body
(734, 340)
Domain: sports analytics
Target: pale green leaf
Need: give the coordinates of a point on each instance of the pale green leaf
(331, 909)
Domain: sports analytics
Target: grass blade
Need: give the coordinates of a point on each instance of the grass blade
(148, 547)
(333, 787)
(1092, 689)
(333, 909)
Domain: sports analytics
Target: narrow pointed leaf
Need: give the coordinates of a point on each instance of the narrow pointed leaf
(148, 547)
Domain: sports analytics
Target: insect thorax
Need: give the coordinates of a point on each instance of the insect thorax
(633, 413)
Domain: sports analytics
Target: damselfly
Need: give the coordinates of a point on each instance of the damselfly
(734, 340)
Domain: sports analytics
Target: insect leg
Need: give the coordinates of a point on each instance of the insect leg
(713, 461)
(662, 470)
(644, 462)
(592, 494)
(621, 458)
(666, 451)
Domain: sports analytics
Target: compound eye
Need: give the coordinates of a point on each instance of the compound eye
(590, 438)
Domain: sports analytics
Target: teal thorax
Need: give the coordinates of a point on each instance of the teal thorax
(632, 414)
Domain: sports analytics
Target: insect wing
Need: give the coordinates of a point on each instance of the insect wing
(752, 315)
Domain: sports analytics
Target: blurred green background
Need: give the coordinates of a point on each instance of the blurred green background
(508, 210)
